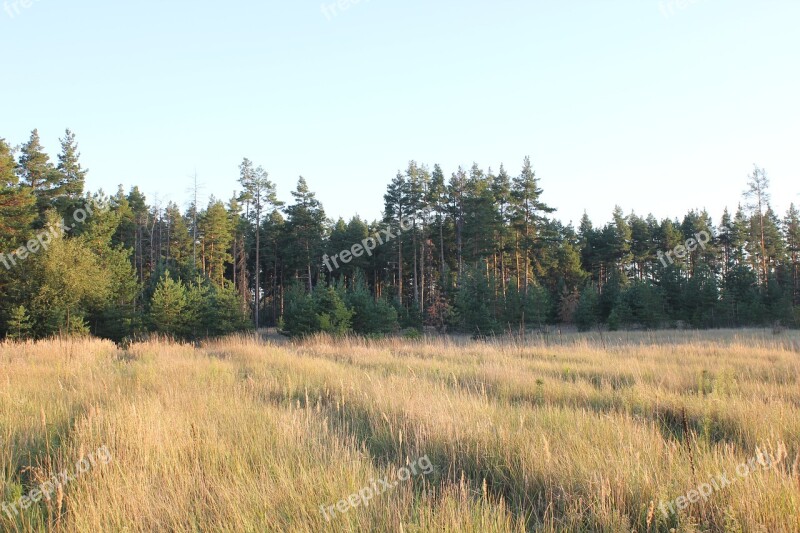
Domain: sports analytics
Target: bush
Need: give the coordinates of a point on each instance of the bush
(333, 315)
(300, 316)
(200, 310)
(323, 311)
(370, 316)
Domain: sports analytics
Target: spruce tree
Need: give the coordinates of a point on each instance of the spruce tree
(167, 307)
(19, 323)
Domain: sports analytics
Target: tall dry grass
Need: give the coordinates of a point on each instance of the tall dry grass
(557, 433)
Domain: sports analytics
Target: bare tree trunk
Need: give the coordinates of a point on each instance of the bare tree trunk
(414, 252)
(422, 271)
(258, 271)
(441, 251)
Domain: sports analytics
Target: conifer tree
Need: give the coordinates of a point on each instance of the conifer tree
(437, 200)
(19, 323)
(167, 306)
(305, 220)
(501, 192)
(395, 209)
(791, 226)
(71, 175)
(217, 236)
(528, 212)
(17, 205)
(38, 173)
(757, 194)
(261, 198)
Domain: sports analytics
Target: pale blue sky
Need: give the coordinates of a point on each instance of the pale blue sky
(610, 99)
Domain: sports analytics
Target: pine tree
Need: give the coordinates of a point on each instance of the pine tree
(71, 175)
(238, 226)
(757, 193)
(168, 306)
(528, 211)
(179, 241)
(456, 191)
(216, 236)
(501, 192)
(725, 240)
(480, 216)
(774, 246)
(38, 173)
(587, 313)
(19, 323)
(258, 193)
(396, 208)
(473, 303)
(333, 314)
(588, 241)
(621, 241)
(370, 316)
(740, 231)
(17, 210)
(305, 229)
(642, 250)
(791, 226)
(437, 200)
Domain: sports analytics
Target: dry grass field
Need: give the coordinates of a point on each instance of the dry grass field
(575, 433)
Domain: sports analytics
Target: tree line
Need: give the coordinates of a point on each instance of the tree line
(479, 251)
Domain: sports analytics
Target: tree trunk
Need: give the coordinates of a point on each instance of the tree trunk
(257, 272)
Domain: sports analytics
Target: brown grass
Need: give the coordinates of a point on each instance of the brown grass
(573, 433)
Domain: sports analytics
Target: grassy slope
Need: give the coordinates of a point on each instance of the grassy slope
(579, 433)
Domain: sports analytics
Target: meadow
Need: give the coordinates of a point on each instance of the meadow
(574, 432)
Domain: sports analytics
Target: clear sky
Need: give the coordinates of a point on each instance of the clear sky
(658, 107)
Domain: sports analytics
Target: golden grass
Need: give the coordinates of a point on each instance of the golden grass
(565, 433)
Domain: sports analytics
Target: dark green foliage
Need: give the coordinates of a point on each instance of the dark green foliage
(538, 306)
(370, 316)
(19, 323)
(473, 250)
(168, 307)
(333, 315)
(194, 311)
(323, 311)
(639, 304)
(300, 316)
(587, 314)
(473, 303)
